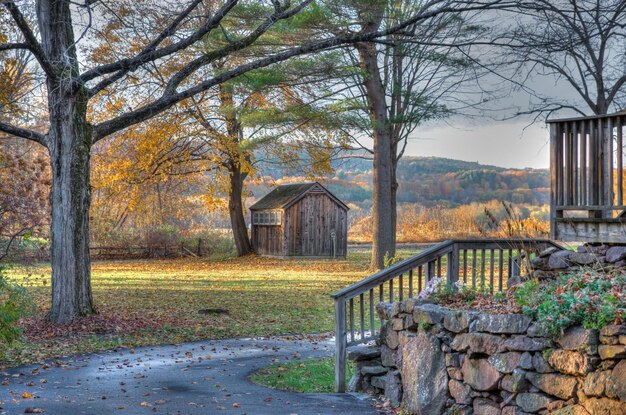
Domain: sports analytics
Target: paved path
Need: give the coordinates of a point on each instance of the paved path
(207, 377)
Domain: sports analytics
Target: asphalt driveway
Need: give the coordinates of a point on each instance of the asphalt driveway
(209, 377)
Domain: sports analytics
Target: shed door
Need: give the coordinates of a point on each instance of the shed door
(318, 217)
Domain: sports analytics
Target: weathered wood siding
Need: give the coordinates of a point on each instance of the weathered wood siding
(268, 240)
(308, 224)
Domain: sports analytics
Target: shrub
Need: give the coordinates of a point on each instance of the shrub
(163, 236)
(213, 243)
(14, 303)
(591, 299)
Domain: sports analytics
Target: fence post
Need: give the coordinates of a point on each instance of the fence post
(340, 345)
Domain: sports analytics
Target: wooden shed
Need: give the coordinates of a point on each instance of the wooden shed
(300, 220)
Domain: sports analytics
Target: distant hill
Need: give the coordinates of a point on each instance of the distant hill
(429, 181)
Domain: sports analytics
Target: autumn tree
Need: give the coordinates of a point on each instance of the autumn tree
(24, 173)
(147, 177)
(273, 111)
(72, 83)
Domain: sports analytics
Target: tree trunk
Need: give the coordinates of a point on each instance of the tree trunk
(237, 177)
(394, 196)
(235, 209)
(383, 244)
(69, 142)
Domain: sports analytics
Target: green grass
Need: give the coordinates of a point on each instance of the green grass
(157, 302)
(312, 376)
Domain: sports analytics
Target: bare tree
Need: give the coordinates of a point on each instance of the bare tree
(577, 43)
(71, 84)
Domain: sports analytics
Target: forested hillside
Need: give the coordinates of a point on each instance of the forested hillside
(428, 181)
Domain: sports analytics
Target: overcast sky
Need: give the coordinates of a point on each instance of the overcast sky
(499, 143)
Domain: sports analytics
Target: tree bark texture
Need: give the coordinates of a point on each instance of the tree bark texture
(69, 142)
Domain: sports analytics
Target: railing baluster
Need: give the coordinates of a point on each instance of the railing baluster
(609, 141)
(439, 260)
(372, 311)
(352, 319)
(420, 286)
(391, 290)
(465, 266)
(430, 271)
(516, 263)
(620, 167)
(483, 263)
(381, 298)
(401, 287)
(575, 159)
(583, 164)
(362, 312)
(474, 268)
(453, 265)
(500, 270)
(491, 270)
(410, 283)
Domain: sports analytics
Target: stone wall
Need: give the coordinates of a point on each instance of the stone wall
(553, 261)
(435, 360)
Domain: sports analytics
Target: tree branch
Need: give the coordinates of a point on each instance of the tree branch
(31, 41)
(169, 99)
(13, 46)
(23, 133)
(280, 14)
(151, 53)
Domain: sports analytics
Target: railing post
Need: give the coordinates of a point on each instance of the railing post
(340, 345)
(516, 271)
(555, 185)
(453, 265)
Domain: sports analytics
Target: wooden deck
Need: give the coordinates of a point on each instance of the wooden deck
(587, 179)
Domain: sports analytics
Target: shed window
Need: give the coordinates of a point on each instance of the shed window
(267, 218)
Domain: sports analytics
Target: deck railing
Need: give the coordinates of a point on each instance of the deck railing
(486, 263)
(587, 172)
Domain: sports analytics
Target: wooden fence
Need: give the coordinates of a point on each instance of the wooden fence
(486, 263)
(191, 248)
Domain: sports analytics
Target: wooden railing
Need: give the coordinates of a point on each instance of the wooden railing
(479, 263)
(587, 169)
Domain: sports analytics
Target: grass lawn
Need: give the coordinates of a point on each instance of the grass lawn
(157, 301)
(309, 376)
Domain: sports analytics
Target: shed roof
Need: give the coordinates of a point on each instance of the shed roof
(284, 195)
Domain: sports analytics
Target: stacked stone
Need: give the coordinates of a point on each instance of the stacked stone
(553, 261)
(436, 360)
